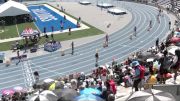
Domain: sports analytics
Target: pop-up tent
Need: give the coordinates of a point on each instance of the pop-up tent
(12, 8)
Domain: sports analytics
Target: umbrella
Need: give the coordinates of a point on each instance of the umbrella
(19, 89)
(39, 98)
(90, 91)
(151, 95)
(48, 80)
(147, 55)
(175, 39)
(88, 97)
(44, 96)
(8, 92)
(29, 32)
(172, 49)
(66, 94)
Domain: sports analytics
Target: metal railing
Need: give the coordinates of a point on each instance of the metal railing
(28, 74)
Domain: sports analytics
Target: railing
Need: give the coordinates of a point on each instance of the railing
(28, 74)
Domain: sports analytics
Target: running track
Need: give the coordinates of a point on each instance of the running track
(54, 65)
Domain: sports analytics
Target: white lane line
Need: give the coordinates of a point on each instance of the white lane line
(81, 52)
(102, 48)
(140, 17)
(116, 44)
(89, 59)
(66, 59)
(143, 15)
(153, 32)
(118, 58)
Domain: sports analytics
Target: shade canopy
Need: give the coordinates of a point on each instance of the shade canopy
(12, 8)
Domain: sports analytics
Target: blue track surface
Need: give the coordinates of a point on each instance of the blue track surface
(47, 18)
(120, 46)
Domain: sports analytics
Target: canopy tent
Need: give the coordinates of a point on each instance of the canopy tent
(12, 8)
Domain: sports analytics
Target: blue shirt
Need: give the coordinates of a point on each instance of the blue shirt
(137, 73)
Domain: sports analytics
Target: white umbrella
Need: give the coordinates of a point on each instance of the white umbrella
(48, 80)
(39, 98)
(45, 96)
(151, 95)
(173, 49)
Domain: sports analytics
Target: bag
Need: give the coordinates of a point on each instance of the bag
(142, 71)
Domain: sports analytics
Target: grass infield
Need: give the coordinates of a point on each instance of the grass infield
(58, 37)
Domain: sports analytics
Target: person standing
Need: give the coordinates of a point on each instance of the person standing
(18, 57)
(157, 44)
(169, 25)
(176, 64)
(64, 17)
(97, 57)
(72, 45)
(135, 28)
(69, 30)
(150, 25)
(17, 45)
(44, 30)
(158, 18)
(162, 70)
(36, 75)
(107, 40)
(61, 25)
(136, 77)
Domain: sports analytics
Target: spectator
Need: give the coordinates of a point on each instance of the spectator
(17, 45)
(72, 47)
(136, 77)
(69, 30)
(36, 75)
(121, 75)
(97, 57)
(64, 17)
(18, 57)
(106, 93)
(112, 86)
(157, 44)
(176, 64)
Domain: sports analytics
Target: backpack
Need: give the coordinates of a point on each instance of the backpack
(142, 71)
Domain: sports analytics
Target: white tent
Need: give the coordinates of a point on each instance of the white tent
(12, 8)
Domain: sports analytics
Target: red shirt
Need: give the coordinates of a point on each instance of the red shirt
(113, 86)
(103, 72)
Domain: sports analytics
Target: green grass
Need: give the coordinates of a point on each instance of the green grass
(58, 37)
(10, 32)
